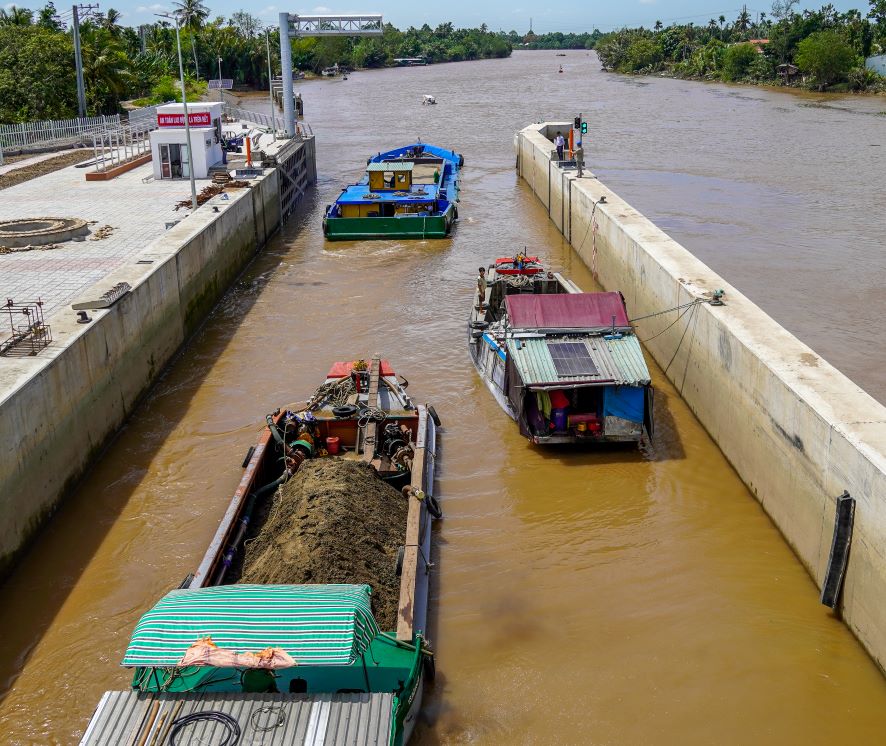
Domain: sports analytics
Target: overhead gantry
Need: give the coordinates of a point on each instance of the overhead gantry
(293, 26)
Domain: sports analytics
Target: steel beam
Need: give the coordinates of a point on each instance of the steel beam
(294, 26)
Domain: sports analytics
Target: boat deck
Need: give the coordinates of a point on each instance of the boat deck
(264, 719)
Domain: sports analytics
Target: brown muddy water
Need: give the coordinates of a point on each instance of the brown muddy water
(619, 597)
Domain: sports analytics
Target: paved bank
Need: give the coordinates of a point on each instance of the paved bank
(59, 408)
(796, 430)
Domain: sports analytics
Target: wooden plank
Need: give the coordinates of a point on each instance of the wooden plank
(412, 555)
(372, 400)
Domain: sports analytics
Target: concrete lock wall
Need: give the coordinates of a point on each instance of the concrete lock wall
(64, 405)
(796, 430)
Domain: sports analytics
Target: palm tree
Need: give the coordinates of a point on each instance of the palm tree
(16, 16)
(743, 22)
(191, 14)
(658, 26)
(109, 22)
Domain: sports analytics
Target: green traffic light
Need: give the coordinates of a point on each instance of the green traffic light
(584, 128)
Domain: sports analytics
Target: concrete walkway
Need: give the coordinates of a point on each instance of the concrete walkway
(137, 211)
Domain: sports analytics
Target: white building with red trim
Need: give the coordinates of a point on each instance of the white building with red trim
(172, 157)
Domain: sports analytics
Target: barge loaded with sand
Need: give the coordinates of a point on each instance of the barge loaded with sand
(566, 365)
(306, 620)
(410, 192)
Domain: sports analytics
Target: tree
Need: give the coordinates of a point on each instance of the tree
(13, 16)
(46, 17)
(827, 56)
(737, 60)
(110, 22)
(659, 25)
(247, 25)
(191, 14)
(36, 74)
(743, 22)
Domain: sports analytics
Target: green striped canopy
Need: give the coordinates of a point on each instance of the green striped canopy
(318, 625)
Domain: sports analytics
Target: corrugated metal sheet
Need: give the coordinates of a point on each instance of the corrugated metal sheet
(628, 357)
(390, 166)
(307, 720)
(619, 361)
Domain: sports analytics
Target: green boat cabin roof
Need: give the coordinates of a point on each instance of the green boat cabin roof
(318, 625)
(561, 361)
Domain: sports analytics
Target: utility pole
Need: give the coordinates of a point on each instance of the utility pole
(221, 95)
(78, 57)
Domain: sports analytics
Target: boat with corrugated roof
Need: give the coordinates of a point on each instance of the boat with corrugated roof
(564, 364)
(409, 192)
(283, 664)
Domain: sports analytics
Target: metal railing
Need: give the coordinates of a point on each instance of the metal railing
(54, 131)
(123, 144)
(272, 124)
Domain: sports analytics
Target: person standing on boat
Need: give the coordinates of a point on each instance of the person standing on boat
(560, 144)
(481, 286)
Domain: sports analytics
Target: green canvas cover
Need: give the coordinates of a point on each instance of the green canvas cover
(318, 625)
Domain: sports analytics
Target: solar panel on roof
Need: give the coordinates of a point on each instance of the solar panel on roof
(572, 359)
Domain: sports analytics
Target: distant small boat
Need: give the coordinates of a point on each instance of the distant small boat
(561, 69)
(344, 77)
(428, 100)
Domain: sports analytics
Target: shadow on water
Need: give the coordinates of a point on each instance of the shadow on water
(85, 517)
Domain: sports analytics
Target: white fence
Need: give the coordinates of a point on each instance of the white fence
(124, 144)
(54, 131)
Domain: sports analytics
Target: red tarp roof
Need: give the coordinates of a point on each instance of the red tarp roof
(566, 311)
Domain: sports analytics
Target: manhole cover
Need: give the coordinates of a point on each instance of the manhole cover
(40, 231)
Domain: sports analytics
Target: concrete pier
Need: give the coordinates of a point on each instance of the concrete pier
(797, 431)
(60, 407)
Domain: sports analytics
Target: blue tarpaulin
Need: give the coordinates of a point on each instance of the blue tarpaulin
(627, 402)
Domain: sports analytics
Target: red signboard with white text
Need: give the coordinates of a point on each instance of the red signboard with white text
(195, 119)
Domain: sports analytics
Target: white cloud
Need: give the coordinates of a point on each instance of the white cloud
(322, 9)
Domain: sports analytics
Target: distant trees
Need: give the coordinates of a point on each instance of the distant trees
(826, 45)
(37, 77)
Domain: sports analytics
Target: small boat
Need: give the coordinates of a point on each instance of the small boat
(330, 72)
(344, 77)
(561, 69)
(273, 659)
(566, 365)
(410, 192)
(428, 100)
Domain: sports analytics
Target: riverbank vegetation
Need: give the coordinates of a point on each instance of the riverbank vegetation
(819, 49)
(122, 63)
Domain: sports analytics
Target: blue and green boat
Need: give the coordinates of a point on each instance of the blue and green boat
(217, 659)
(410, 192)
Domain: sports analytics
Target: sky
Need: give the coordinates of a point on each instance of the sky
(496, 14)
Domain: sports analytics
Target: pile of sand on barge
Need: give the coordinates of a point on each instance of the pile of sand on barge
(335, 521)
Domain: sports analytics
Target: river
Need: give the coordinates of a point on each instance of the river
(590, 598)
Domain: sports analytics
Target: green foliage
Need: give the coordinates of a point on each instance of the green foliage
(720, 49)
(737, 60)
(827, 56)
(37, 79)
(643, 55)
(863, 79)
